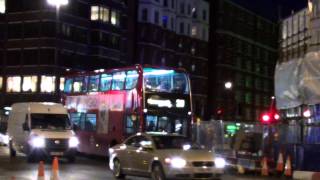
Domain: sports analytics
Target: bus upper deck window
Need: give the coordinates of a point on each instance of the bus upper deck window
(132, 79)
(93, 83)
(105, 82)
(118, 80)
(77, 84)
(68, 85)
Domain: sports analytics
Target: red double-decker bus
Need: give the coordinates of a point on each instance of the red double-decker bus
(108, 105)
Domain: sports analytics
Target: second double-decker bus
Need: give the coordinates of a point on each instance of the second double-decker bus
(106, 106)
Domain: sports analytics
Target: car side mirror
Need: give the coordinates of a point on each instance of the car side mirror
(147, 148)
(25, 127)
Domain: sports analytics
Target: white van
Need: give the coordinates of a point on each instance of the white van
(41, 130)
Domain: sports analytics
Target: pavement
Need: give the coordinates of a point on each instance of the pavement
(85, 168)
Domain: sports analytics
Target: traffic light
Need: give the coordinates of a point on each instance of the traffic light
(219, 113)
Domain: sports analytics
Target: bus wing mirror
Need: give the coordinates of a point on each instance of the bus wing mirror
(25, 127)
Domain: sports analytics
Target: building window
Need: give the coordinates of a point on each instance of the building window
(47, 84)
(172, 4)
(156, 17)
(204, 34)
(94, 13)
(29, 83)
(248, 82)
(165, 3)
(257, 99)
(114, 18)
(1, 82)
(258, 84)
(182, 7)
(189, 9)
(165, 21)
(204, 15)
(104, 14)
(172, 23)
(181, 28)
(61, 86)
(194, 31)
(145, 15)
(14, 84)
(248, 98)
(2, 6)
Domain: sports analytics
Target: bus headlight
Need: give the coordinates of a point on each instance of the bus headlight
(220, 162)
(73, 142)
(38, 142)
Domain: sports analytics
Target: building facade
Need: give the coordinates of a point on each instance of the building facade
(175, 33)
(38, 44)
(243, 48)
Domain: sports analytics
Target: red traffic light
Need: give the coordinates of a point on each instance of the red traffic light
(265, 118)
(276, 116)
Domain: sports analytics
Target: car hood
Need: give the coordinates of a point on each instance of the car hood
(189, 155)
(52, 134)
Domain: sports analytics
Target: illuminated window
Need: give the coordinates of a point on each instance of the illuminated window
(118, 80)
(114, 18)
(194, 31)
(61, 86)
(94, 83)
(48, 84)
(29, 84)
(94, 13)
(68, 85)
(132, 79)
(104, 14)
(2, 6)
(1, 79)
(105, 82)
(14, 84)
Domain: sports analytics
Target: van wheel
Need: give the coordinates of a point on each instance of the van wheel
(13, 153)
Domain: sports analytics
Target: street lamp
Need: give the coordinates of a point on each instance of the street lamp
(57, 4)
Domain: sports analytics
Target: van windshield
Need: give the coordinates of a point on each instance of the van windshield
(50, 121)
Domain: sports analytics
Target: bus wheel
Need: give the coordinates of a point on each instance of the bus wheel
(12, 152)
(117, 171)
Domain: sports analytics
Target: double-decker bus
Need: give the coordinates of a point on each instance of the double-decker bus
(106, 106)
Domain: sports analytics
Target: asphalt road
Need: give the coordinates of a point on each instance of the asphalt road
(83, 169)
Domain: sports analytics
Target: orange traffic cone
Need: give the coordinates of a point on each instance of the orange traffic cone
(288, 168)
(264, 169)
(13, 178)
(41, 171)
(55, 169)
(280, 163)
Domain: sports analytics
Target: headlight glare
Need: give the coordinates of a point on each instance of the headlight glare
(73, 142)
(220, 162)
(178, 163)
(38, 142)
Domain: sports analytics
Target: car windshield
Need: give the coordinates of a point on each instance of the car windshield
(50, 121)
(161, 80)
(173, 142)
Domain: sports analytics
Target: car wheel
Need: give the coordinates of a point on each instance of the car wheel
(157, 173)
(13, 152)
(117, 171)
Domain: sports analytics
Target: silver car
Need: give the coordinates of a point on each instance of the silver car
(163, 156)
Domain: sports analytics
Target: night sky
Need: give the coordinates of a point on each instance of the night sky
(273, 9)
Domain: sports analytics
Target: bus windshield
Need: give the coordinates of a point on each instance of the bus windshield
(161, 80)
(50, 121)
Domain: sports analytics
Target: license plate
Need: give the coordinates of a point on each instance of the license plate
(247, 163)
(56, 153)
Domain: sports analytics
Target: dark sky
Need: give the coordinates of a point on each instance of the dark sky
(272, 8)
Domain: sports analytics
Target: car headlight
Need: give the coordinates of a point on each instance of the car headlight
(38, 142)
(176, 162)
(220, 162)
(73, 142)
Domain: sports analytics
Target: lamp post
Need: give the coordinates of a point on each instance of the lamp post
(57, 4)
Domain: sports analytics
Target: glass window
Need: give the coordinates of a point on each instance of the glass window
(2, 6)
(132, 124)
(105, 82)
(156, 17)
(94, 13)
(248, 82)
(93, 83)
(104, 15)
(48, 84)
(29, 84)
(68, 85)
(145, 15)
(114, 17)
(14, 84)
(194, 31)
(248, 98)
(91, 122)
(61, 85)
(132, 79)
(1, 82)
(118, 80)
(78, 84)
